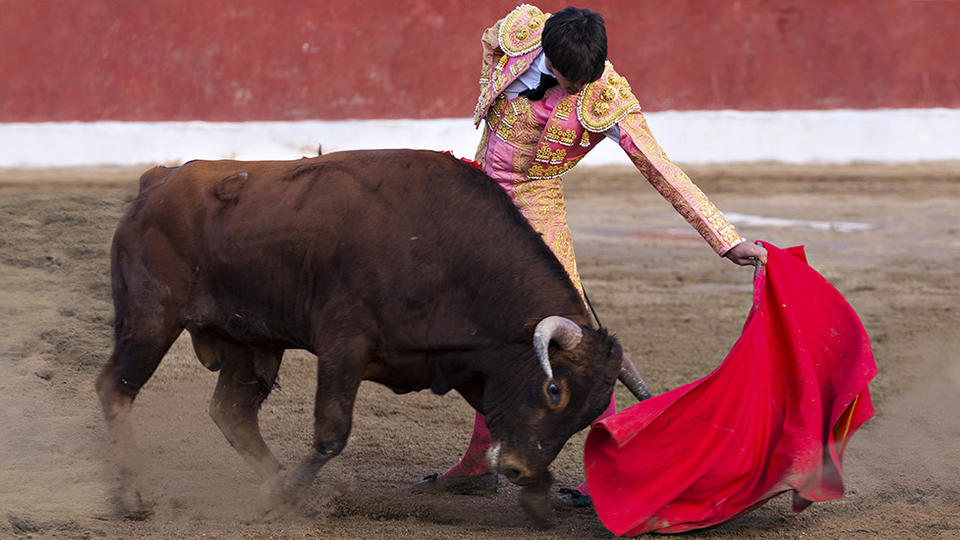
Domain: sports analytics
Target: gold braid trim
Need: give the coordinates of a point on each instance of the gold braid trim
(605, 101)
(521, 30)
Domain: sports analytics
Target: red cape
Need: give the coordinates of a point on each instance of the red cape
(775, 416)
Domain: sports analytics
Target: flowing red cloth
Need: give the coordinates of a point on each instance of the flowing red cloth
(775, 416)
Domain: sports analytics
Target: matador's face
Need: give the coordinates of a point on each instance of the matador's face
(568, 85)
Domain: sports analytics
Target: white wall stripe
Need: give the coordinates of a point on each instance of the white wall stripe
(749, 220)
(693, 137)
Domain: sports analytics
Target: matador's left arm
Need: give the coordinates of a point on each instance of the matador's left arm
(675, 186)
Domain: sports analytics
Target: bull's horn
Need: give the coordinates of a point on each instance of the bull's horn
(630, 378)
(565, 332)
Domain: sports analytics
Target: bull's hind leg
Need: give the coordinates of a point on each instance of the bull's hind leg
(138, 351)
(246, 377)
(339, 372)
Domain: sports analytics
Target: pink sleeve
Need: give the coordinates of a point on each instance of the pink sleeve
(637, 141)
(490, 43)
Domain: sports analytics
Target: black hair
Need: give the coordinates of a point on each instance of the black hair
(575, 41)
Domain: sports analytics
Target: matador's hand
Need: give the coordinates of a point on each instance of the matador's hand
(746, 253)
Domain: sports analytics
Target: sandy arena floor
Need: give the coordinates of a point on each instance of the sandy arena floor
(888, 238)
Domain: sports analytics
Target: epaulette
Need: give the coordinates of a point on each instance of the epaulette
(520, 31)
(605, 101)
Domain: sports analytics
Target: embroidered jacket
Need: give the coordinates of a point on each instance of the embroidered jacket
(578, 122)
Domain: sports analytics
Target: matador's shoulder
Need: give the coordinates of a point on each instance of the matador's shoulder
(521, 29)
(605, 101)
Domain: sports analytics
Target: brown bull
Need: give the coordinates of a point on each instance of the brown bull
(407, 268)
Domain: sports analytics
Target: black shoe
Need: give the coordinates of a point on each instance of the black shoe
(573, 497)
(480, 484)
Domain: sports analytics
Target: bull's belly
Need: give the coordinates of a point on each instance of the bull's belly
(401, 373)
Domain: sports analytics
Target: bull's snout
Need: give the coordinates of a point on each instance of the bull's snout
(512, 474)
(512, 467)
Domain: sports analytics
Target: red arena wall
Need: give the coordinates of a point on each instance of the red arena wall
(161, 60)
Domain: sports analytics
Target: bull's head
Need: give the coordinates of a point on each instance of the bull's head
(548, 399)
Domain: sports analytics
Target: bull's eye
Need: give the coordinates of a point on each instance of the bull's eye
(556, 394)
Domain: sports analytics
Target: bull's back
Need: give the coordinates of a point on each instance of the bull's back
(404, 231)
(349, 204)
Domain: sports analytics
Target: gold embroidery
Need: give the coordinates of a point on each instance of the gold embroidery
(730, 235)
(539, 172)
(553, 133)
(563, 109)
(520, 105)
(500, 44)
(504, 128)
(605, 101)
(520, 31)
(541, 202)
(503, 116)
(519, 67)
(558, 156)
(569, 165)
(585, 139)
(522, 161)
(512, 122)
(497, 108)
(567, 137)
(544, 154)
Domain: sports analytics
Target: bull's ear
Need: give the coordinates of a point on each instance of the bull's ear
(611, 368)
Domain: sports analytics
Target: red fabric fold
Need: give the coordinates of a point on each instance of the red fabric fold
(775, 416)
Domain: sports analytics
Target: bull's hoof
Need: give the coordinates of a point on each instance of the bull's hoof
(536, 505)
(480, 484)
(573, 498)
(131, 504)
(139, 514)
(138, 510)
(276, 498)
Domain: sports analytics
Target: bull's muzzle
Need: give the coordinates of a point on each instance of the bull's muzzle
(512, 467)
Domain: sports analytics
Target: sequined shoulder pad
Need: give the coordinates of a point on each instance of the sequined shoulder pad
(605, 101)
(520, 31)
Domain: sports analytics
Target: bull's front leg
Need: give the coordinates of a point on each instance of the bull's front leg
(337, 385)
(535, 501)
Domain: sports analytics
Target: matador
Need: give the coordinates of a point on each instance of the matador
(547, 97)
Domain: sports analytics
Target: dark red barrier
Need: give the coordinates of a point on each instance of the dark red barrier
(300, 59)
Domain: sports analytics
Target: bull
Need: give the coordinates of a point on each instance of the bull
(407, 268)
